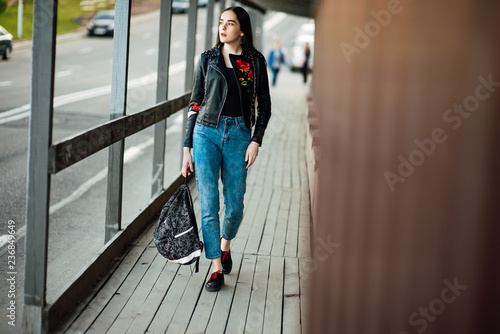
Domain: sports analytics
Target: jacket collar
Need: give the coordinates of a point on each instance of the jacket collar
(216, 52)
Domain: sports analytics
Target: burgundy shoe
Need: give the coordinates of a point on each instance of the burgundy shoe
(227, 263)
(215, 282)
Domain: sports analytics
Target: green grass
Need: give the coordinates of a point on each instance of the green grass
(69, 17)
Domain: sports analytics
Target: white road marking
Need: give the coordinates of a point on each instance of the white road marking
(6, 83)
(176, 45)
(64, 74)
(147, 35)
(130, 155)
(3, 240)
(150, 52)
(85, 50)
(24, 111)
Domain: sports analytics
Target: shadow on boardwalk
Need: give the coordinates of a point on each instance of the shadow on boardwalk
(265, 292)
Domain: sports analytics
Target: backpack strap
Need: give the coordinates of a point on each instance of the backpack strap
(195, 225)
(197, 265)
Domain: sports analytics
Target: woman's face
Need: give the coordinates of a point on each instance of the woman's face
(229, 28)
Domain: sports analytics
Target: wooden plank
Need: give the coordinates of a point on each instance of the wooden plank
(271, 166)
(305, 207)
(222, 307)
(291, 293)
(305, 270)
(99, 266)
(304, 246)
(122, 295)
(291, 315)
(239, 307)
(286, 170)
(203, 310)
(266, 243)
(292, 233)
(100, 300)
(255, 317)
(147, 310)
(74, 149)
(194, 288)
(292, 281)
(298, 162)
(143, 289)
(277, 170)
(255, 235)
(257, 172)
(171, 301)
(280, 233)
(274, 299)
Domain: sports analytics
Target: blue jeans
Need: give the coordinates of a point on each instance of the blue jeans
(220, 151)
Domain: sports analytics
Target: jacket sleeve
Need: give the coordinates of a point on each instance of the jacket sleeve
(197, 96)
(263, 102)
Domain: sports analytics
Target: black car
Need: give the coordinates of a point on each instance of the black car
(103, 23)
(5, 43)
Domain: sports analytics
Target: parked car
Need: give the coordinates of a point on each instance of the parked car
(304, 35)
(103, 23)
(180, 6)
(5, 43)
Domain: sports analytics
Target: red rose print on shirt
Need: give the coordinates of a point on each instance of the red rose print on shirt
(246, 73)
(241, 65)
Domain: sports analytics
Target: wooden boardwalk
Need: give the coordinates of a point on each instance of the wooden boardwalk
(267, 290)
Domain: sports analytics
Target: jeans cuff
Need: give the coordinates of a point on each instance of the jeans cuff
(215, 258)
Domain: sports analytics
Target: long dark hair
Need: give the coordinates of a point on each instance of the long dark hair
(245, 26)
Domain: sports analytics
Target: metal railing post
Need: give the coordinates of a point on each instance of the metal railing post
(118, 108)
(162, 95)
(223, 5)
(38, 191)
(190, 54)
(210, 24)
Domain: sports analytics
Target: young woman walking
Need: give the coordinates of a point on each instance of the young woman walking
(229, 79)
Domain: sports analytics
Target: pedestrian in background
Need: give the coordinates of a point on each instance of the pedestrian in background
(275, 60)
(228, 80)
(305, 65)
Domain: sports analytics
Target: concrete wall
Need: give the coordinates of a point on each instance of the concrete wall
(408, 101)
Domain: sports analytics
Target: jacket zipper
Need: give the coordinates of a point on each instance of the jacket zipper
(225, 95)
(254, 95)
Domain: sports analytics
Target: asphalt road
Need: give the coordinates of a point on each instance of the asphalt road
(82, 101)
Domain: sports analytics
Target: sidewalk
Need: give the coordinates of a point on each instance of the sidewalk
(265, 293)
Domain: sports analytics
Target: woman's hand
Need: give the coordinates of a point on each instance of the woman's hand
(187, 162)
(252, 152)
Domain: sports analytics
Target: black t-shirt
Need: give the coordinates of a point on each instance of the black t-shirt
(232, 105)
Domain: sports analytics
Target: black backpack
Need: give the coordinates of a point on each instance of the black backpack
(176, 236)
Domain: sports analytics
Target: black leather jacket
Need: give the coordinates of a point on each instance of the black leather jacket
(210, 89)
